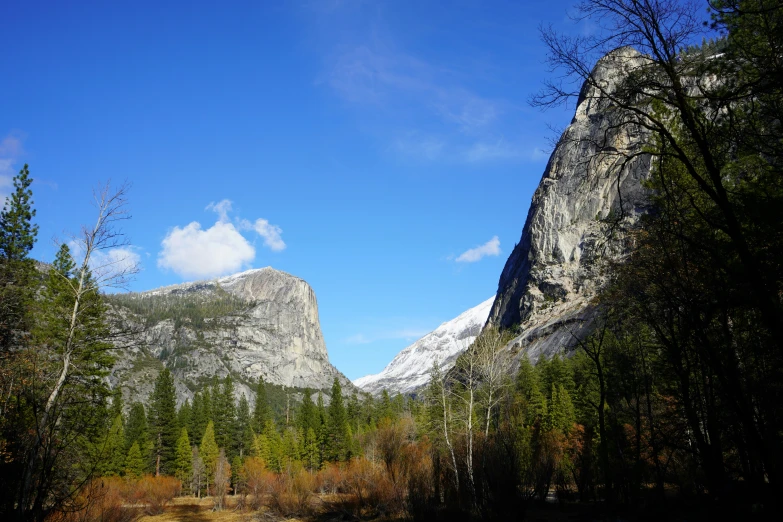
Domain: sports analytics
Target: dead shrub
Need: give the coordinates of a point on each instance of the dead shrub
(258, 481)
(370, 491)
(156, 492)
(420, 502)
(331, 479)
(103, 500)
(291, 492)
(221, 482)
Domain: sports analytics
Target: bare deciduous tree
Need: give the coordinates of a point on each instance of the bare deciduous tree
(221, 481)
(73, 337)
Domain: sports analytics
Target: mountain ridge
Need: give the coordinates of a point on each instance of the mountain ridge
(409, 370)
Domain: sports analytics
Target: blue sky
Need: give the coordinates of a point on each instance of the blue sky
(382, 151)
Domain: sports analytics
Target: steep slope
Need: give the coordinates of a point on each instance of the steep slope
(592, 184)
(262, 322)
(410, 369)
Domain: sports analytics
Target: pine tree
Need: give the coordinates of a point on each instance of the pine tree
(560, 412)
(17, 271)
(207, 402)
(17, 232)
(236, 474)
(185, 416)
(307, 417)
(116, 403)
(528, 388)
(163, 423)
(198, 419)
(261, 448)
(243, 431)
(321, 433)
(385, 410)
(289, 448)
(136, 429)
(336, 433)
(134, 464)
(261, 411)
(275, 460)
(224, 413)
(354, 412)
(112, 458)
(311, 455)
(209, 452)
(184, 458)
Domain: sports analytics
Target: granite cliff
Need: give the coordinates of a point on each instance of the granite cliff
(262, 322)
(592, 190)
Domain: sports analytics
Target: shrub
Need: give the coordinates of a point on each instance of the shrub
(258, 481)
(157, 492)
(331, 479)
(101, 500)
(371, 490)
(291, 492)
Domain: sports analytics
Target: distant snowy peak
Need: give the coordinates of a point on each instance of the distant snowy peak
(410, 369)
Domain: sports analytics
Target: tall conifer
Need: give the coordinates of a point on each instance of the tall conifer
(163, 422)
(261, 410)
(336, 431)
(184, 458)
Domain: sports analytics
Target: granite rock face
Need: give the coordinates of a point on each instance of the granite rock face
(262, 322)
(590, 192)
(410, 369)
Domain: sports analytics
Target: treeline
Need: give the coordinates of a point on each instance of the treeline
(192, 308)
(156, 438)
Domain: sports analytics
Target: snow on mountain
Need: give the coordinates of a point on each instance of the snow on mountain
(410, 369)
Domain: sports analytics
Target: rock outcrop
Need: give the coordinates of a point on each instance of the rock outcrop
(261, 322)
(590, 191)
(410, 369)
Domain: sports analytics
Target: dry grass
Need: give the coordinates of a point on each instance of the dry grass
(188, 509)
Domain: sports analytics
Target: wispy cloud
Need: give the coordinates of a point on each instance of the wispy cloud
(110, 267)
(406, 334)
(376, 75)
(491, 151)
(194, 252)
(425, 110)
(490, 248)
(270, 233)
(10, 151)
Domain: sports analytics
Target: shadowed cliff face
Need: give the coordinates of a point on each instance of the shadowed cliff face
(593, 177)
(257, 323)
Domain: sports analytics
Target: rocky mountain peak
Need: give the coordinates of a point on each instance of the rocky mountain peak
(257, 323)
(592, 183)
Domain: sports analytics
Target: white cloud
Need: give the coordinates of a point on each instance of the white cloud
(111, 268)
(490, 248)
(117, 259)
(192, 252)
(271, 234)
